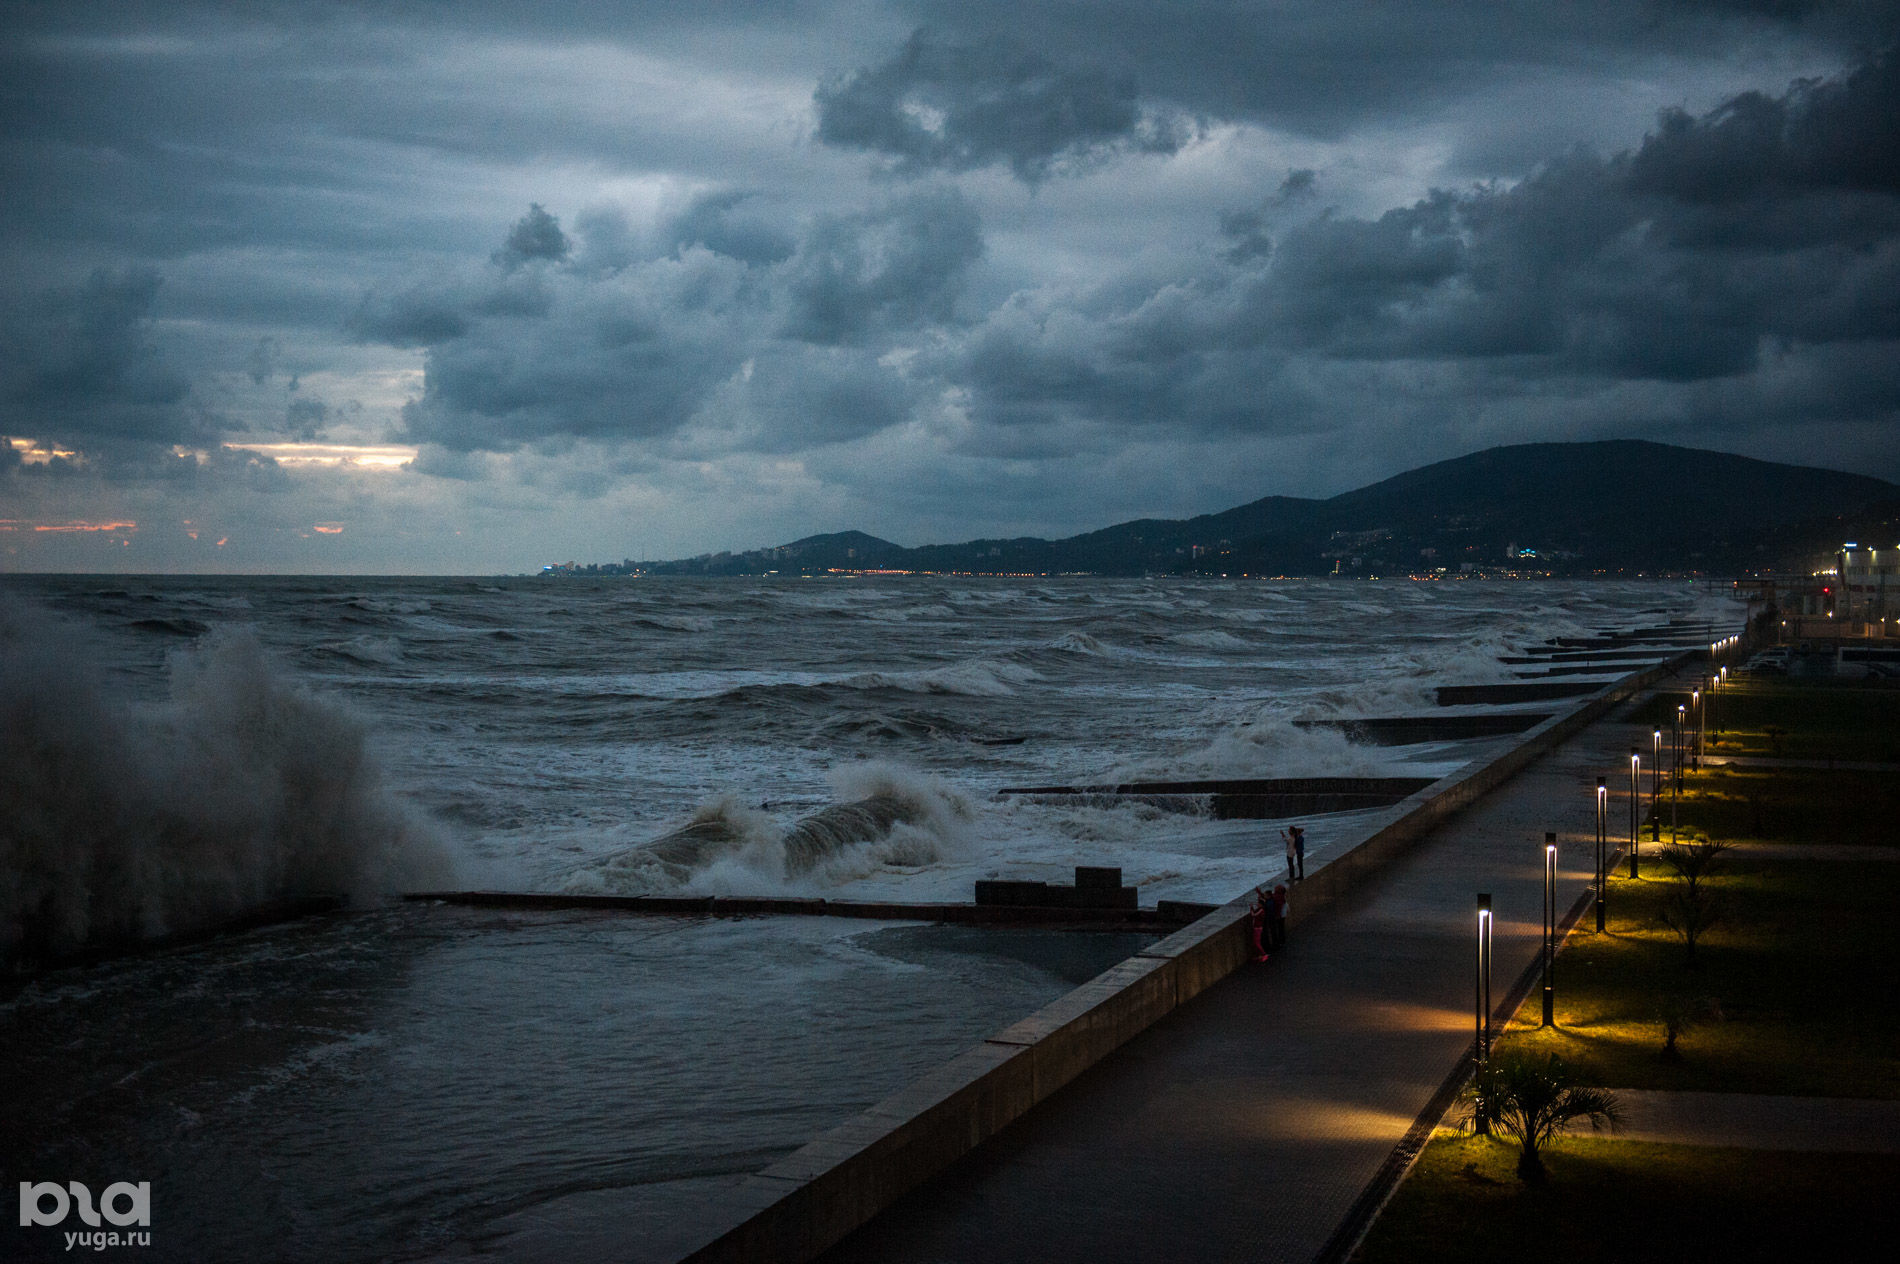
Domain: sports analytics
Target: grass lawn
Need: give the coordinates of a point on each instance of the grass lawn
(1795, 719)
(1604, 1202)
(1805, 967)
(1787, 805)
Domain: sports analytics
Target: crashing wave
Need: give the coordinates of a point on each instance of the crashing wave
(122, 822)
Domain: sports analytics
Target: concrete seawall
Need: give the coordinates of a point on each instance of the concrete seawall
(803, 1204)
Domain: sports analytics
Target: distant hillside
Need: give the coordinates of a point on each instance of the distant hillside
(1571, 508)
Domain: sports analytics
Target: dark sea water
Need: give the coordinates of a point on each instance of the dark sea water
(404, 1080)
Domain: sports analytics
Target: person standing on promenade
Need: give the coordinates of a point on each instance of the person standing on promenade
(1263, 923)
(1295, 852)
(1276, 916)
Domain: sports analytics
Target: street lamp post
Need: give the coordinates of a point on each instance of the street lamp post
(1603, 843)
(1695, 740)
(1482, 990)
(1550, 929)
(1682, 720)
(1636, 781)
(1675, 794)
(1655, 791)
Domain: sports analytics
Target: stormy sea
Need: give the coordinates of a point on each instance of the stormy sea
(418, 1080)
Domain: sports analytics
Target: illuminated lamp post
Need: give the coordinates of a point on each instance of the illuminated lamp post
(1482, 990)
(1550, 929)
(1695, 741)
(1675, 795)
(1655, 791)
(1682, 718)
(1603, 843)
(1636, 795)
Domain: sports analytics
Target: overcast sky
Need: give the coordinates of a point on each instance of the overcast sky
(472, 286)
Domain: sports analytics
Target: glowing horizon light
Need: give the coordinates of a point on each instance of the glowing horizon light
(328, 528)
(72, 526)
(39, 452)
(369, 456)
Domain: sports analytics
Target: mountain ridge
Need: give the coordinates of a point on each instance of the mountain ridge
(1607, 506)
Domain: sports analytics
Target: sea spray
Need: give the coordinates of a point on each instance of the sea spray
(1268, 745)
(122, 821)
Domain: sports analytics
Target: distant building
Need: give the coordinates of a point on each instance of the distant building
(1855, 598)
(1869, 584)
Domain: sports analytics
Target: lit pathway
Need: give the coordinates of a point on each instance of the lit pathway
(1246, 1124)
(1753, 1122)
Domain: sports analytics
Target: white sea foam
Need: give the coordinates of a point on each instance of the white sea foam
(1213, 639)
(1078, 643)
(977, 678)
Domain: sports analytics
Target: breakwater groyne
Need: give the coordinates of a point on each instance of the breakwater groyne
(1237, 799)
(1166, 914)
(799, 1206)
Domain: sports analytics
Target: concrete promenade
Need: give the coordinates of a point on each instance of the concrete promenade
(1246, 1124)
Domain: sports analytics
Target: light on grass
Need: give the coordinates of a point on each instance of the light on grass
(1481, 1045)
(1655, 791)
(1636, 795)
(1603, 844)
(1550, 928)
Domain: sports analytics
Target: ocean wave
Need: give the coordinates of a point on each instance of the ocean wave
(121, 822)
(371, 651)
(977, 678)
(886, 816)
(171, 627)
(676, 622)
(377, 605)
(1213, 639)
(1270, 745)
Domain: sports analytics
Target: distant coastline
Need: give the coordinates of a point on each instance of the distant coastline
(1614, 509)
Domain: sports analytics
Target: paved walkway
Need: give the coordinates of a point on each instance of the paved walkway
(1754, 1122)
(1246, 1124)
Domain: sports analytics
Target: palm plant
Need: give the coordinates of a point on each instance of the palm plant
(1690, 908)
(1534, 1100)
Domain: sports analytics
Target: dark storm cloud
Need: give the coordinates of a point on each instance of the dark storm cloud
(82, 363)
(939, 105)
(414, 316)
(536, 235)
(614, 347)
(720, 222)
(1761, 236)
(802, 397)
(899, 265)
(1324, 67)
(304, 418)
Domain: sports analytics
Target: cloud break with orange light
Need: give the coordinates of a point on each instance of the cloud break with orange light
(368, 456)
(72, 526)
